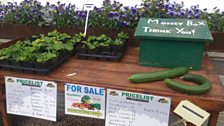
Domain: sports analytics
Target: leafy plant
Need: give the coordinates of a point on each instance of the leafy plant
(41, 49)
(45, 56)
(121, 38)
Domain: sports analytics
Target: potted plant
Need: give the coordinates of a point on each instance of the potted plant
(216, 25)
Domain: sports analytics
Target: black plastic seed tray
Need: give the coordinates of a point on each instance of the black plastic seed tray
(33, 67)
(111, 53)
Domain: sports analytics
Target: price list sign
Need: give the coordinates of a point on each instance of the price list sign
(33, 98)
(136, 109)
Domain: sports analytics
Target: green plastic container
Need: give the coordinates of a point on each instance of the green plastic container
(172, 42)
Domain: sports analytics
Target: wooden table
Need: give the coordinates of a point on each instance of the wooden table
(114, 75)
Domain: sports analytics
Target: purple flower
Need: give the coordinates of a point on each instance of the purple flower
(177, 14)
(170, 7)
(171, 13)
(33, 10)
(182, 13)
(81, 14)
(197, 10)
(190, 12)
(67, 8)
(197, 16)
(97, 9)
(116, 13)
(56, 8)
(133, 9)
(167, 6)
(2, 13)
(111, 14)
(124, 23)
(122, 16)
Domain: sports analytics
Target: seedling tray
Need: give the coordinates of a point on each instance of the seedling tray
(112, 53)
(31, 67)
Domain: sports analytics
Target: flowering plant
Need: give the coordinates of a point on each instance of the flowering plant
(28, 12)
(215, 20)
(112, 15)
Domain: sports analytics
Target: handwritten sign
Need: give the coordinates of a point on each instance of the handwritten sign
(174, 29)
(135, 109)
(88, 7)
(33, 98)
(85, 101)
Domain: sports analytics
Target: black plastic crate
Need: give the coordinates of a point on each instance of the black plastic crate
(33, 67)
(30, 66)
(111, 53)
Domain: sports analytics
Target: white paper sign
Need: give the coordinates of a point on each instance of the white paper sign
(191, 113)
(33, 98)
(88, 7)
(136, 109)
(87, 101)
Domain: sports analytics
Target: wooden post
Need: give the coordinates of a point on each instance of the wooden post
(213, 118)
(5, 117)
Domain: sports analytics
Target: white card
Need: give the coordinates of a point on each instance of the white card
(88, 7)
(33, 98)
(191, 113)
(136, 109)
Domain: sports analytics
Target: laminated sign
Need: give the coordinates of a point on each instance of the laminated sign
(33, 98)
(87, 101)
(135, 109)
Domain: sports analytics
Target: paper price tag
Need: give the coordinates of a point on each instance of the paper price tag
(191, 113)
(88, 7)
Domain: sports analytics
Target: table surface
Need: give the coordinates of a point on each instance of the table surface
(114, 75)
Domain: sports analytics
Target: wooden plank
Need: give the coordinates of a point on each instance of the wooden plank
(115, 74)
